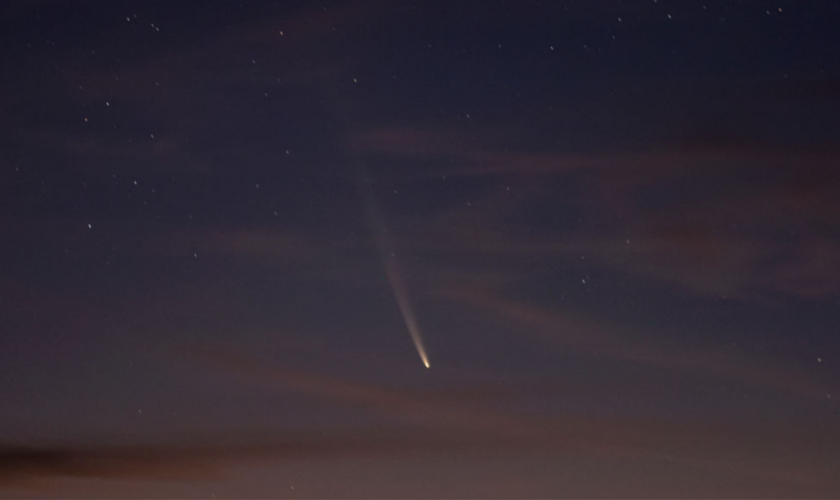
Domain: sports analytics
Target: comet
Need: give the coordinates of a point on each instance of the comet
(401, 295)
(389, 262)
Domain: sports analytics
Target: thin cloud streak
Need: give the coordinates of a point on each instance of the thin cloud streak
(656, 219)
(429, 425)
(602, 340)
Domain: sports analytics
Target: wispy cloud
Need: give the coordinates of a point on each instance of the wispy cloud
(584, 336)
(427, 424)
(721, 217)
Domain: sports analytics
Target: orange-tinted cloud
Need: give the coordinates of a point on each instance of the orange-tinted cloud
(708, 215)
(429, 427)
(570, 333)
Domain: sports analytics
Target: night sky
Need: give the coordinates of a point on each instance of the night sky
(233, 232)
